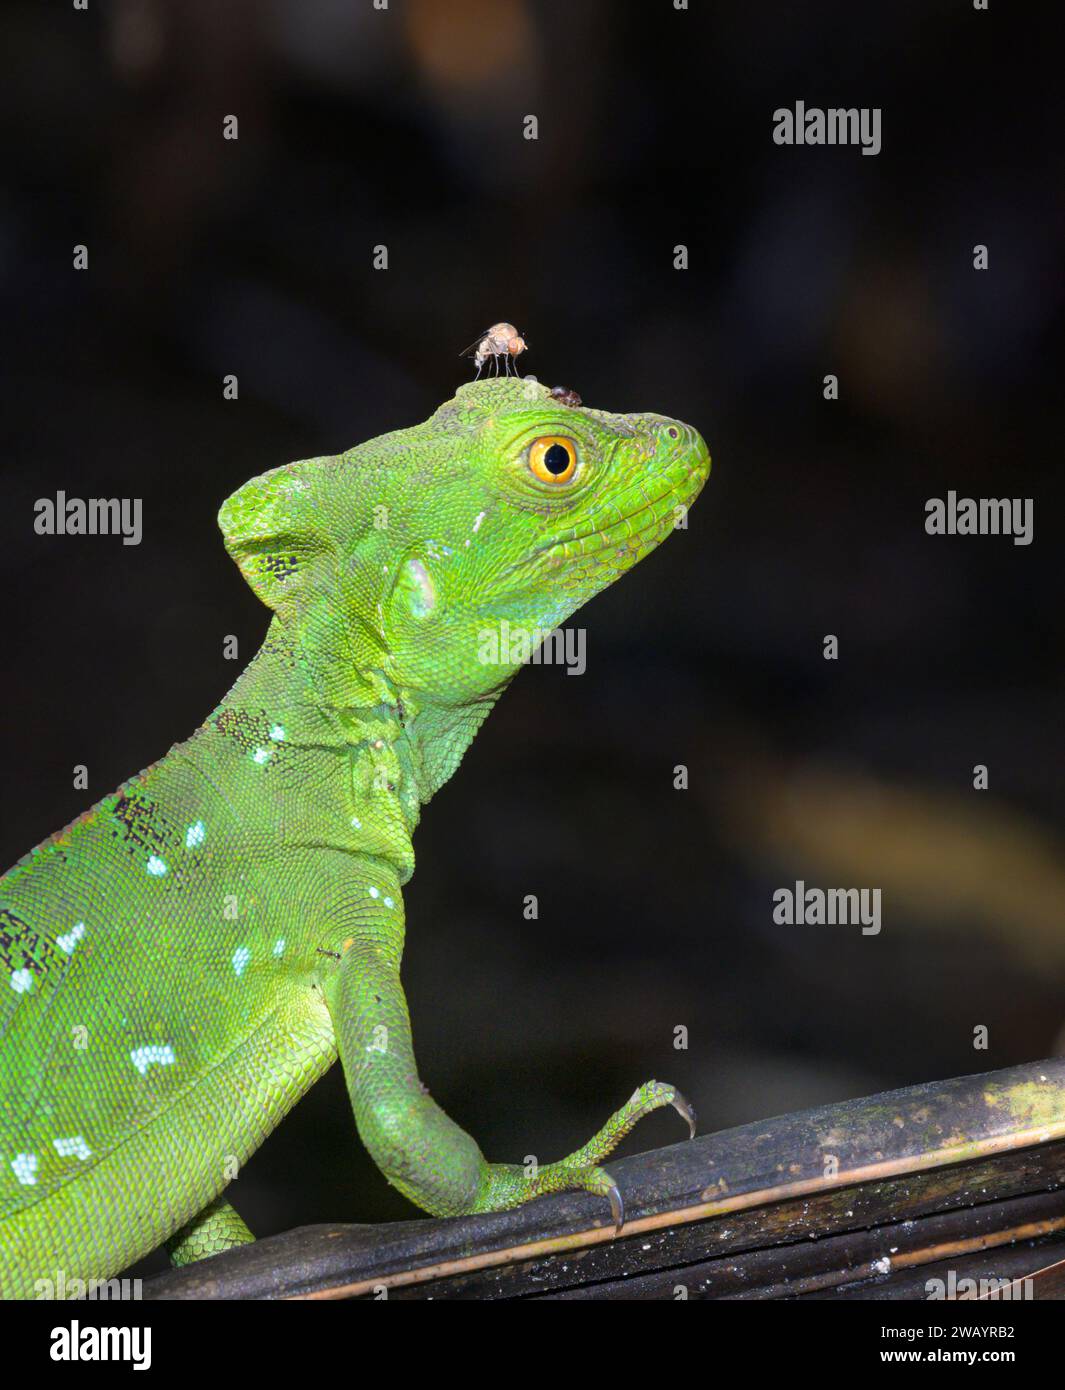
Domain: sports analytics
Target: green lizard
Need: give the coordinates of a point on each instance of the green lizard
(181, 963)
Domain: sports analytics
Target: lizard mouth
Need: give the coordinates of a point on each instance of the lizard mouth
(600, 547)
(653, 515)
(632, 533)
(629, 529)
(649, 517)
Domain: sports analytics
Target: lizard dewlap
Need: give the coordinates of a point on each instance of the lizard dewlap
(181, 963)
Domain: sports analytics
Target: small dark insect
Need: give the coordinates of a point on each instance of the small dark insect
(565, 395)
(501, 340)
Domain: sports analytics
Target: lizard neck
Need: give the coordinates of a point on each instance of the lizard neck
(364, 754)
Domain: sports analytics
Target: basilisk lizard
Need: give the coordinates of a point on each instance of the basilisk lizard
(184, 960)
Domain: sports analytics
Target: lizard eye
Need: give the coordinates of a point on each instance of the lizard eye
(553, 458)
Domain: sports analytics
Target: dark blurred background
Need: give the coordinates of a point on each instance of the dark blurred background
(254, 257)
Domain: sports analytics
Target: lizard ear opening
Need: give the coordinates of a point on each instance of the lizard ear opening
(274, 529)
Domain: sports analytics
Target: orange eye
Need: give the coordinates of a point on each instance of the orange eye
(553, 458)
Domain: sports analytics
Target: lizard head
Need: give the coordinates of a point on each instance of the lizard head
(507, 510)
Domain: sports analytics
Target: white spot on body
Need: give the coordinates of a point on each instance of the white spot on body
(279, 946)
(24, 1167)
(241, 956)
(156, 867)
(261, 755)
(74, 1147)
(388, 902)
(21, 981)
(73, 936)
(277, 733)
(421, 592)
(162, 1054)
(374, 892)
(195, 835)
(477, 523)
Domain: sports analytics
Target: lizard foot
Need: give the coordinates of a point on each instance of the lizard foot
(508, 1185)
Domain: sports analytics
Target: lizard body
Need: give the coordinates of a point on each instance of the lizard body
(183, 961)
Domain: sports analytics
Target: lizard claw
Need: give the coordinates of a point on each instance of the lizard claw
(617, 1207)
(581, 1169)
(684, 1108)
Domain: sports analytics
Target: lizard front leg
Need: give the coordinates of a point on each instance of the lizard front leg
(415, 1144)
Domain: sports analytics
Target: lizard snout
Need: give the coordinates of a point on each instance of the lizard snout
(681, 449)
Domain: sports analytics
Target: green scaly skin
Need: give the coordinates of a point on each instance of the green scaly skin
(181, 963)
